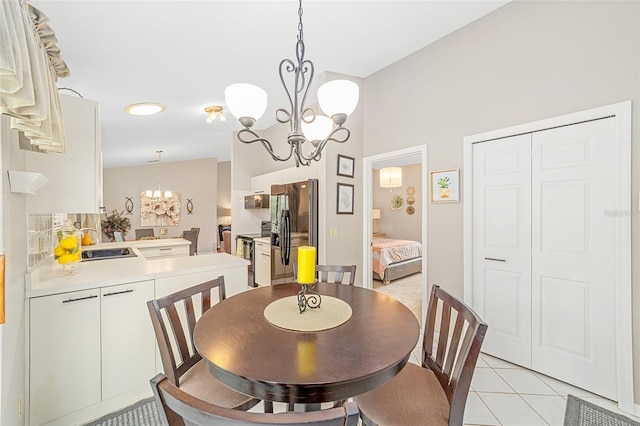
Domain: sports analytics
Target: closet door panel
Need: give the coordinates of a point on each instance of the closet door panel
(573, 249)
(502, 245)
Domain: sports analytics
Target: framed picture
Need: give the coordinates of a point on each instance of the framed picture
(344, 203)
(445, 186)
(346, 165)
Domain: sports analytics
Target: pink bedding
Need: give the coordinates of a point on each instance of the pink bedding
(387, 251)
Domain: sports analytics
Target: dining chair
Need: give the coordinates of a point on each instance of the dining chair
(197, 231)
(191, 236)
(182, 364)
(434, 393)
(338, 271)
(178, 408)
(144, 232)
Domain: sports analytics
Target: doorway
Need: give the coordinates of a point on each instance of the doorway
(417, 156)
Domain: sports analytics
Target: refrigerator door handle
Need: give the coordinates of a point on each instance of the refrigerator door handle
(286, 250)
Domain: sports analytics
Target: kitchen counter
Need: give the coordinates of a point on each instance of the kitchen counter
(48, 278)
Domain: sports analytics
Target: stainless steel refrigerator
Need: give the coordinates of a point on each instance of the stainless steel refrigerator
(294, 223)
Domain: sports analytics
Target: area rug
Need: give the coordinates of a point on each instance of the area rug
(583, 413)
(142, 413)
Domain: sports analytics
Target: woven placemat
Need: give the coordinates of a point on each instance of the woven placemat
(284, 313)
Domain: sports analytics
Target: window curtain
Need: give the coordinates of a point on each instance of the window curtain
(30, 65)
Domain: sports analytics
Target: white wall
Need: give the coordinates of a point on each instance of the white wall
(14, 240)
(195, 180)
(526, 61)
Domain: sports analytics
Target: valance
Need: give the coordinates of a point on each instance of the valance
(30, 65)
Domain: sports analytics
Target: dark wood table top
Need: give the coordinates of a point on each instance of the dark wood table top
(249, 354)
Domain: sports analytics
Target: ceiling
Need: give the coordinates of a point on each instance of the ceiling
(184, 53)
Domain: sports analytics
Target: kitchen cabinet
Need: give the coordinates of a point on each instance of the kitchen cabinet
(75, 177)
(64, 354)
(262, 253)
(128, 342)
(164, 251)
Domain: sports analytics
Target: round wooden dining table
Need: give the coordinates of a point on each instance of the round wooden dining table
(243, 350)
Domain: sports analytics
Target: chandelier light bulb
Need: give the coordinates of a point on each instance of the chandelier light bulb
(246, 100)
(338, 97)
(318, 129)
(167, 194)
(148, 193)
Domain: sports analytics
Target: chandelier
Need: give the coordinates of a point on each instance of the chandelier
(157, 194)
(390, 177)
(214, 111)
(337, 99)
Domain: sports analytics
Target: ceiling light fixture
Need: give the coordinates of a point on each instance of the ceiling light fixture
(214, 111)
(390, 177)
(157, 194)
(144, 108)
(337, 99)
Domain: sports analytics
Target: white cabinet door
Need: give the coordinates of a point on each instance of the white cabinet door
(75, 177)
(573, 256)
(502, 245)
(128, 342)
(64, 362)
(263, 263)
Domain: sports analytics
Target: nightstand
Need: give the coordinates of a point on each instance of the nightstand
(379, 235)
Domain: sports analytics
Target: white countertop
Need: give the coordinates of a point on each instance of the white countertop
(159, 242)
(49, 279)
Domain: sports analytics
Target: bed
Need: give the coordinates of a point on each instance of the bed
(393, 259)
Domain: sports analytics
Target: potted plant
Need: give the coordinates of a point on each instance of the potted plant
(443, 184)
(115, 222)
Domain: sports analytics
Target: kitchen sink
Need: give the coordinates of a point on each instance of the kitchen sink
(102, 254)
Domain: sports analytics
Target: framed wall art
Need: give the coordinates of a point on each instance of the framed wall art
(346, 166)
(344, 203)
(445, 185)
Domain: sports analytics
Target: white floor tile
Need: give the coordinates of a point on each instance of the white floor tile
(487, 380)
(511, 409)
(494, 362)
(477, 413)
(550, 407)
(481, 363)
(564, 388)
(524, 381)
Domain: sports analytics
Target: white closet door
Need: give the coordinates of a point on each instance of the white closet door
(502, 245)
(573, 249)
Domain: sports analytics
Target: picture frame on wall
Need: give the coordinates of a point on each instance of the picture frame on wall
(346, 166)
(445, 186)
(344, 202)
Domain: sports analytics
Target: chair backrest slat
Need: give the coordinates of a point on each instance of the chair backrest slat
(178, 408)
(338, 271)
(460, 344)
(177, 311)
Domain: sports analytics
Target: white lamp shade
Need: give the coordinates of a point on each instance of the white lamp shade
(319, 129)
(391, 177)
(338, 97)
(376, 214)
(245, 100)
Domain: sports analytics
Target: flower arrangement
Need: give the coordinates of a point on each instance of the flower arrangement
(115, 222)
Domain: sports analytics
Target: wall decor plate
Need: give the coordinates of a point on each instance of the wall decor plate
(411, 190)
(410, 200)
(395, 202)
(411, 210)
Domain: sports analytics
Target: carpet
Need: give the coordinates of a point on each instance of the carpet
(142, 413)
(407, 290)
(583, 413)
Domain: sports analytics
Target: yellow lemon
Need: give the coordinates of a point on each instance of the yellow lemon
(58, 251)
(66, 258)
(69, 243)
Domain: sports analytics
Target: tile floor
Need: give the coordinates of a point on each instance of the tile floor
(506, 394)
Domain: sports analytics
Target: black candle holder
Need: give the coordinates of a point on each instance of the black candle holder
(308, 297)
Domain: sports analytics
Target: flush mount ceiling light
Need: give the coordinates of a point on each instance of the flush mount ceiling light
(214, 111)
(144, 108)
(390, 177)
(337, 99)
